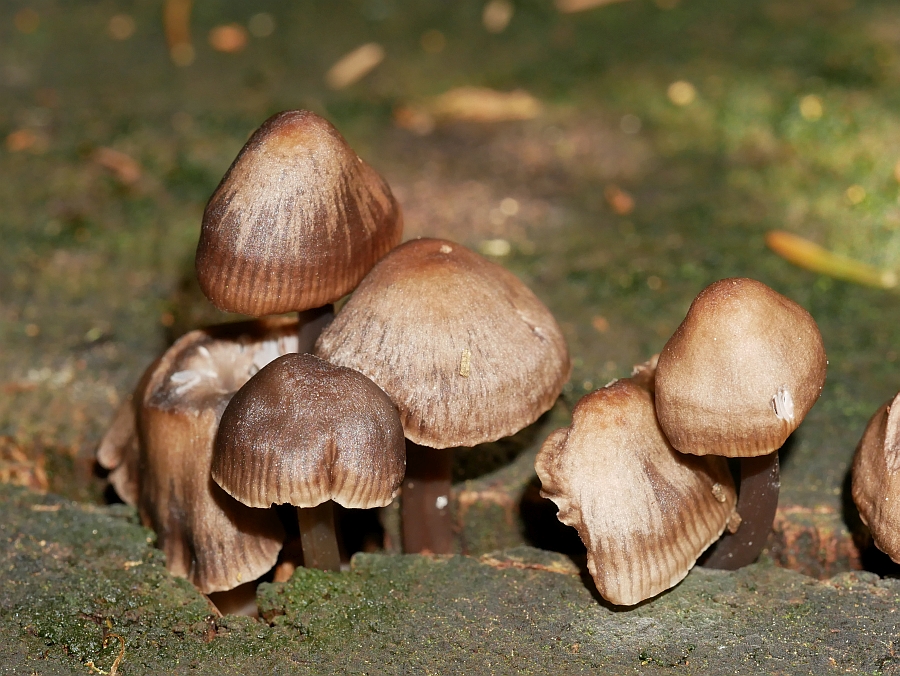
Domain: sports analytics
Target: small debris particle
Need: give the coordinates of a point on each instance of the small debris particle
(465, 363)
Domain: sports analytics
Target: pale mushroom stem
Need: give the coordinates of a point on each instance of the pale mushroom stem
(757, 502)
(317, 535)
(425, 500)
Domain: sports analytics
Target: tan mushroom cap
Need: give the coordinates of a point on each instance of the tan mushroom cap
(207, 536)
(304, 431)
(466, 351)
(296, 222)
(876, 478)
(740, 373)
(644, 511)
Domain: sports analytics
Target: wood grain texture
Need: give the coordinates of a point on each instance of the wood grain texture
(303, 431)
(466, 351)
(644, 511)
(740, 373)
(296, 222)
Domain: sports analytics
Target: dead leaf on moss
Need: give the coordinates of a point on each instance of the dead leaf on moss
(124, 167)
(572, 6)
(354, 66)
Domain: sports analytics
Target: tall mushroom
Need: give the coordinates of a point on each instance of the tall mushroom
(735, 379)
(163, 439)
(644, 511)
(876, 478)
(304, 432)
(296, 222)
(466, 352)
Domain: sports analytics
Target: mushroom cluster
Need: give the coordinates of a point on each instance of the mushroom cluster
(464, 349)
(734, 380)
(294, 225)
(438, 348)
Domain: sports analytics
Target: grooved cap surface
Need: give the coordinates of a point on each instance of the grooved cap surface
(740, 373)
(644, 511)
(296, 222)
(466, 351)
(303, 431)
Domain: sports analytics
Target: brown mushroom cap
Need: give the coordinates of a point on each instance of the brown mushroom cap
(466, 351)
(303, 431)
(207, 536)
(644, 511)
(740, 373)
(876, 478)
(296, 222)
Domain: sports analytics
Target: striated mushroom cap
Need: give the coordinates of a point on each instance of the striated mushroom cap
(876, 478)
(303, 431)
(466, 351)
(208, 537)
(740, 373)
(296, 222)
(644, 511)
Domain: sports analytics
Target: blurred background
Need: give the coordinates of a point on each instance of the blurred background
(617, 155)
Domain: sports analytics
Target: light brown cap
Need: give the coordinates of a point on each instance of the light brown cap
(466, 351)
(207, 536)
(296, 222)
(740, 373)
(303, 431)
(876, 478)
(644, 511)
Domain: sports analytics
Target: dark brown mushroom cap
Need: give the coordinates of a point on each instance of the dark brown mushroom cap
(466, 351)
(644, 511)
(876, 478)
(740, 373)
(303, 431)
(296, 222)
(207, 536)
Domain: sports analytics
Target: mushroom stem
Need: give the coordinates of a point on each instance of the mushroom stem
(317, 535)
(757, 502)
(311, 324)
(425, 500)
(318, 538)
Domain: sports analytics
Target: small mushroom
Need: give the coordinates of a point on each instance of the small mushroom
(466, 352)
(295, 224)
(208, 537)
(304, 432)
(876, 478)
(644, 511)
(735, 379)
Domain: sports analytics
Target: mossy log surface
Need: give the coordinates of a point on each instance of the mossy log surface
(75, 574)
